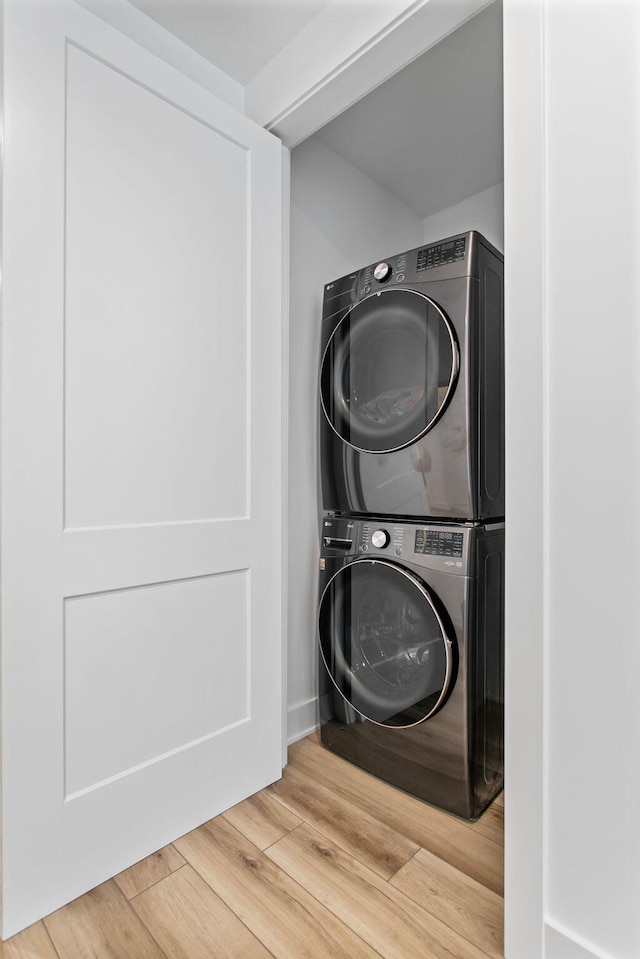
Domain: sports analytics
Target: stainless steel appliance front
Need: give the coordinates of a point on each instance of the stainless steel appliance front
(412, 385)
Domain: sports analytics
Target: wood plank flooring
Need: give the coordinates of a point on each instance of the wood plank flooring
(327, 863)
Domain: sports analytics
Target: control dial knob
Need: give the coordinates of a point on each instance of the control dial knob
(382, 272)
(380, 538)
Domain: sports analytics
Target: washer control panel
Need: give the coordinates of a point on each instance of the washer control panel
(425, 545)
(381, 538)
(438, 542)
(338, 534)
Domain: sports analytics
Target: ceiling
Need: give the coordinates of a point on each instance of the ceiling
(239, 36)
(432, 134)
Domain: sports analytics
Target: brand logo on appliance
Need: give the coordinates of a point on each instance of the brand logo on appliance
(450, 562)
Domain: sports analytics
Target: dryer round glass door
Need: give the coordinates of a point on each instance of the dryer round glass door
(384, 643)
(388, 371)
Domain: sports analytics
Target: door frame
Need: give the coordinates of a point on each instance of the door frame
(339, 81)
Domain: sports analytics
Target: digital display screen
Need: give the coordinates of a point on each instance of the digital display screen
(441, 254)
(439, 542)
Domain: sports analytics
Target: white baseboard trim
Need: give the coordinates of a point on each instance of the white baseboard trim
(302, 719)
(561, 943)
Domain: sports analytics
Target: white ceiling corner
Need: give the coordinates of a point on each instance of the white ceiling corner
(432, 135)
(238, 36)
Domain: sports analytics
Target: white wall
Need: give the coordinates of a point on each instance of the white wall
(593, 478)
(572, 210)
(340, 220)
(483, 211)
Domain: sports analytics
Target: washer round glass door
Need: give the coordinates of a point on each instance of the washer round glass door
(388, 371)
(384, 643)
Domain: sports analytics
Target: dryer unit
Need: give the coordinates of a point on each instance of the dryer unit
(412, 385)
(411, 638)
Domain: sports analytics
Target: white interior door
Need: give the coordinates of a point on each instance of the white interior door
(141, 456)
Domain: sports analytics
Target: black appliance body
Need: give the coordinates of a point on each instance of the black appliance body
(411, 640)
(412, 385)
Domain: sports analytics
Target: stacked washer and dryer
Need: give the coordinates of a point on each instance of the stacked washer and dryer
(411, 627)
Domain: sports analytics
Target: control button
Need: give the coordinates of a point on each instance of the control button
(380, 538)
(367, 289)
(399, 277)
(398, 552)
(382, 272)
(365, 547)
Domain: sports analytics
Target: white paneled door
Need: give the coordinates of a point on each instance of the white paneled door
(141, 456)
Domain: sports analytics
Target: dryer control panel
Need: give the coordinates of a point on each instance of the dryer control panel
(441, 253)
(453, 257)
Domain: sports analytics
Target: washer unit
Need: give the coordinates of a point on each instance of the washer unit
(411, 639)
(412, 385)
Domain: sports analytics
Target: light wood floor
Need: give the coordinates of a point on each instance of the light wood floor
(328, 863)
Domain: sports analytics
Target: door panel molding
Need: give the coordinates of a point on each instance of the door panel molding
(112, 558)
